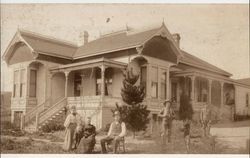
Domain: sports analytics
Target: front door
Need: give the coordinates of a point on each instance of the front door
(17, 118)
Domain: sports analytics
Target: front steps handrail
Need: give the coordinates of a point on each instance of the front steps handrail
(32, 114)
(52, 110)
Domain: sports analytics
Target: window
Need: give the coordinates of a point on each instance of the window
(202, 90)
(144, 77)
(33, 76)
(77, 84)
(15, 86)
(247, 100)
(22, 82)
(154, 83)
(163, 84)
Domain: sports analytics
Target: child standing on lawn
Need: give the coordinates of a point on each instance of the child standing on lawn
(186, 114)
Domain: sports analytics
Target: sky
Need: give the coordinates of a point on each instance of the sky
(218, 34)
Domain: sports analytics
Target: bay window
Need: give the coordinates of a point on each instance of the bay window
(154, 82)
(22, 82)
(163, 84)
(33, 78)
(15, 86)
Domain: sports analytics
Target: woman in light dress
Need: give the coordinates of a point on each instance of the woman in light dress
(72, 121)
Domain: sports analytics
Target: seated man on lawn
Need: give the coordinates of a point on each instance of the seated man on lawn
(116, 133)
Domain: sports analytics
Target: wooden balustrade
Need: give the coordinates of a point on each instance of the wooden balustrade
(31, 115)
(51, 111)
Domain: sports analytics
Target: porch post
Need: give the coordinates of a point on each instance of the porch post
(103, 81)
(66, 83)
(148, 82)
(192, 90)
(82, 79)
(221, 94)
(28, 82)
(50, 88)
(209, 91)
(168, 84)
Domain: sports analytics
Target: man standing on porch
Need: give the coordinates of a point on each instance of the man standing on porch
(117, 131)
(71, 122)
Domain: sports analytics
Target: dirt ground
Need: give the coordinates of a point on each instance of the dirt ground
(41, 143)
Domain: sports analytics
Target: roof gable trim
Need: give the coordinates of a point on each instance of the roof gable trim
(17, 38)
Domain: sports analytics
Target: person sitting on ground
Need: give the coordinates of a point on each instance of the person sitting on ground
(116, 133)
(70, 125)
(88, 141)
(205, 119)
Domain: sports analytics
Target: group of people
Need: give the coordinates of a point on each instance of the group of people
(80, 135)
(185, 113)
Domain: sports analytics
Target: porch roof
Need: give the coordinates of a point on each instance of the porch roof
(89, 64)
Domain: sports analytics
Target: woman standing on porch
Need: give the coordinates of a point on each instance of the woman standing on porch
(71, 122)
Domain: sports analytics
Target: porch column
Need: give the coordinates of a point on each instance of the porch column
(209, 91)
(50, 86)
(168, 84)
(103, 80)
(192, 90)
(66, 83)
(221, 94)
(28, 82)
(82, 88)
(148, 82)
(159, 71)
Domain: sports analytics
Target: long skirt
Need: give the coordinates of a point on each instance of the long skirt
(86, 145)
(69, 138)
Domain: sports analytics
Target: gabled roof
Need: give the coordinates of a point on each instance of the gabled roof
(105, 44)
(41, 44)
(197, 62)
(48, 45)
(120, 41)
(244, 81)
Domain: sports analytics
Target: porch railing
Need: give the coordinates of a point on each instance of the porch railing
(52, 110)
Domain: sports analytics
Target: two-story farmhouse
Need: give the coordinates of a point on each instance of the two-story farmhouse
(50, 74)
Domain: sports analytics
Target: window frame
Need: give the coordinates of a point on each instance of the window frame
(33, 84)
(16, 82)
(154, 83)
(22, 83)
(163, 84)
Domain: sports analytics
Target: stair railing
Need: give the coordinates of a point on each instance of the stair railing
(31, 115)
(52, 110)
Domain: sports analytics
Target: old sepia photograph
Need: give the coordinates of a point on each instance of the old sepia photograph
(103, 78)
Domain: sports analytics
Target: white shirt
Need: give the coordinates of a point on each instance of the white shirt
(123, 132)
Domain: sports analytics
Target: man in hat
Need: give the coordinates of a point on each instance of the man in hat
(167, 115)
(205, 119)
(116, 133)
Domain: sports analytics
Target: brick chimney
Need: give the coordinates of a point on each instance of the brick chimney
(177, 38)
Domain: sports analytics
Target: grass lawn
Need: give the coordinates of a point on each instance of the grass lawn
(245, 123)
(52, 143)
